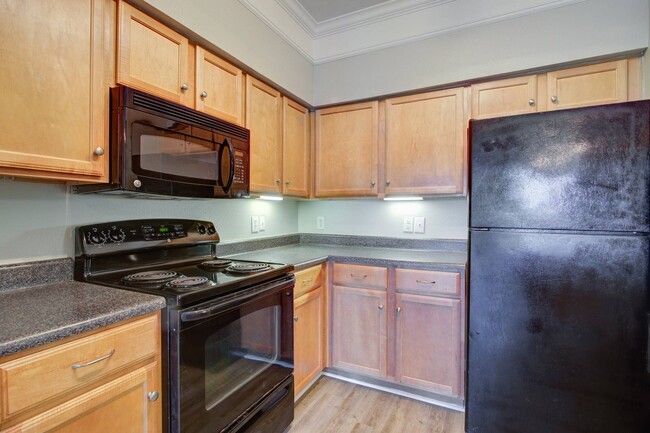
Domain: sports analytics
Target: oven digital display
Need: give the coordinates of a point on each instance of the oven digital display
(163, 229)
(156, 232)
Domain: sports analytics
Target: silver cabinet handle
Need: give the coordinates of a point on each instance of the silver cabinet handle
(86, 364)
(399, 309)
(358, 275)
(425, 282)
(99, 151)
(381, 307)
(204, 94)
(531, 102)
(554, 99)
(388, 182)
(373, 183)
(153, 395)
(288, 183)
(185, 86)
(295, 318)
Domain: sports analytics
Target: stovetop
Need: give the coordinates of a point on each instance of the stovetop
(171, 258)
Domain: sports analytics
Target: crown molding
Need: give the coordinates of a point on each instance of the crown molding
(386, 25)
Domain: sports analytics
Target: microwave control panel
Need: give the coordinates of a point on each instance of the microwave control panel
(240, 168)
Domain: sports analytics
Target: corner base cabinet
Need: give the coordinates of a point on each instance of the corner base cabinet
(103, 381)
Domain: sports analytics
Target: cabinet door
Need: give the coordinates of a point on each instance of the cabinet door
(429, 327)
(604, 83)
(152, 57)
(296, 148)
(308, 338)
(425, 143)
(504, 97)
(264, 119)
(54, 104)
(359, 330)
(219, 87)
(117, 406)
(346, 150)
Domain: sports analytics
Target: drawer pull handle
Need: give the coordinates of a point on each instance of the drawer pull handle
(358, 275)
(307, 281)
(86, 364)
(425, 282)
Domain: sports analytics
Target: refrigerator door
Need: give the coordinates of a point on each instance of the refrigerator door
(558, 333)
(583, 169)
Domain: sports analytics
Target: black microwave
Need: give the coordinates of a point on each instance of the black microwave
(162, 148)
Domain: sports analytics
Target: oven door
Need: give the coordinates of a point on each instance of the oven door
(233, 353)
(174, 158)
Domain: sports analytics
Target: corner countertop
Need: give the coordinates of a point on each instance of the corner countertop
(40, 314)
(302, 256)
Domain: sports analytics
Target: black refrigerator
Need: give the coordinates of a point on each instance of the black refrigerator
(558, 311)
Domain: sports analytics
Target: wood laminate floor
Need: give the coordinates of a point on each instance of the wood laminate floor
(335, 406)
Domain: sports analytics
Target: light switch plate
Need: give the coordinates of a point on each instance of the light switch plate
(418, 224)
(255, 224)
(262, 223)
(408, 224)
(320, 223)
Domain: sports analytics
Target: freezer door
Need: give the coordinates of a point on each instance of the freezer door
(582, 169)
(558, 334)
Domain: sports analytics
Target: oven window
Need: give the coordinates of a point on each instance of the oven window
(170, 155)
(239, 352)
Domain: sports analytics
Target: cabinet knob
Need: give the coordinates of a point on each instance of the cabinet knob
(554, 99)
(204, 94)
(381, 307)
(277, 180)
(185, 86)
(137, 183)
(99, 151)
(531, 102)
(373, 183)
(399, 309)
(295, 318)
(288, 183)
(387, 182)
(153, 395)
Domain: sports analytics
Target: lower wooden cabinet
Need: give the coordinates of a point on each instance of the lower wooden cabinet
(106, 381)
(309, 327)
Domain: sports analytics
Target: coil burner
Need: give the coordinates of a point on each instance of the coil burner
(216, 264)
(150, 277)
(187, 282)
(247, 268)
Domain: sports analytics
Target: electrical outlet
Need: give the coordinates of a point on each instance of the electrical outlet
(320, 223)
(262, 223)
(418, 224)
(408, 224)
(255, 224)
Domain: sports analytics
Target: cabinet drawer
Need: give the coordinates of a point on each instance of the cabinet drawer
(307, 280)
(37, 377)
(360, 276)
(427, 282)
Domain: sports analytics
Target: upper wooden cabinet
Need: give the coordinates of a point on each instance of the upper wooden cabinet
(264, 119)
(603, 83)
(345, 146)
(219, 87)
(296, 149)
(425, 143)
(54, 104)
(152, 57)
(504, 97)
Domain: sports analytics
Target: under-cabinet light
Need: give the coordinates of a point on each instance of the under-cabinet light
(405, 198)
(271, 197)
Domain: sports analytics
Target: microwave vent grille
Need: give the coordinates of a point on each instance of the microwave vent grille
(145, 101)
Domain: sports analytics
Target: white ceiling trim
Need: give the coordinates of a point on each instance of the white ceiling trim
(354, 37)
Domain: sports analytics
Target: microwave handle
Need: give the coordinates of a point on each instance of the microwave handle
(231, 178)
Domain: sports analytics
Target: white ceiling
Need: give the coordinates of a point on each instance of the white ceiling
(328, 30)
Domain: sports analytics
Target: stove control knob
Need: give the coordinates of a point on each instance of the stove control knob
(201, 229)
(211, 230)
(96, 239)
(116, 236)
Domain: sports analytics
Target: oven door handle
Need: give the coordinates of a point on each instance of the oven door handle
(237, 299)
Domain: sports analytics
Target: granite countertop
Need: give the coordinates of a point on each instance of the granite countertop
(40, 314)
(302, 256)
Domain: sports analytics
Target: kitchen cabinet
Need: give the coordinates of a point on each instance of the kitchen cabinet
(425, 143)
(264, 119)
(359, 319)
(504, 97)
(345, 144)
(602, 83)
(309, 327)
(54, 105)
(156, 59)
(152, 57)
(103, 381)
(296, 149)
(219, 87)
